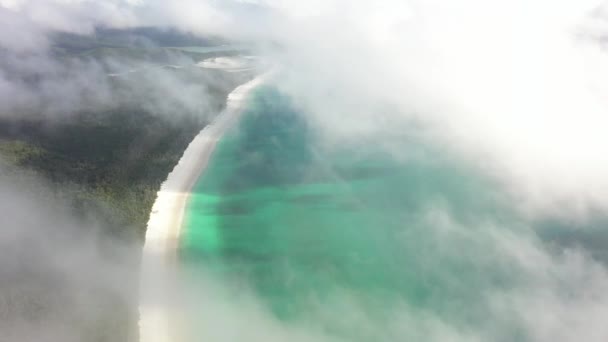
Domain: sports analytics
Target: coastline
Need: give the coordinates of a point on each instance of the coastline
(166, 218)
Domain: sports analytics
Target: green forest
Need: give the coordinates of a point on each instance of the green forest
(109, 159)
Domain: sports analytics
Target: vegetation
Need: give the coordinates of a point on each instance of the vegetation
(111, 159)
(117, 156)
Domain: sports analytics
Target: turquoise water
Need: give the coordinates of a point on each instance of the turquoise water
(351, 240)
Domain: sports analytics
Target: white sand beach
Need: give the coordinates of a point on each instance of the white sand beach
(167, 215)
(229, 64)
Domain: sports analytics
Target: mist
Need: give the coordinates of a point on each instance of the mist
(70, 266)
(63, 276)
(514, 90)
(513, 86)
(39, 80)
(511, 89)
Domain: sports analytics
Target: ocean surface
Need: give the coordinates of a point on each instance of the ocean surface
(362, 242)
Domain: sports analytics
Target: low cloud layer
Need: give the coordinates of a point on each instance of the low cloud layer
(62, 276)
(487, 280)
(47, 74)
(513, 88)
(516, 87)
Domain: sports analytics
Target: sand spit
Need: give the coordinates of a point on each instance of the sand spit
(167, 217)
(229, 64)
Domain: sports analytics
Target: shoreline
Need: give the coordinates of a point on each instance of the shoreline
(167, 215)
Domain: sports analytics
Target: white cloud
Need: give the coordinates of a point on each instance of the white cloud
(509, 84)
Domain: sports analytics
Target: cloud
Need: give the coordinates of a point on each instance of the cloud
(62, 277)
(37, 83)
(514, 88)
(486, 279)
(60, 273)
(26, 23)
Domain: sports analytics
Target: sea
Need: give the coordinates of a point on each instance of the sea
(360, 242)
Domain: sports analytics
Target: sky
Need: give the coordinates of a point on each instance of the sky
(514, 88)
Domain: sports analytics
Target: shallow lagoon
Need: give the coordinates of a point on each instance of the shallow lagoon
(351, 241)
